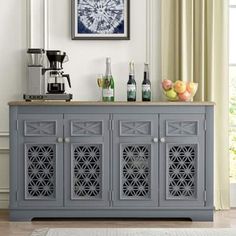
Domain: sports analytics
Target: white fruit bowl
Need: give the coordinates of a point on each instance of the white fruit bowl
(179, 90)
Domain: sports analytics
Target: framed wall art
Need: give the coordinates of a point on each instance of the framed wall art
(101, 19)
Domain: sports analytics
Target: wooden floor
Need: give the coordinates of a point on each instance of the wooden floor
(223, 219)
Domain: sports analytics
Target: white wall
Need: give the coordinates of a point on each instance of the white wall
(87, 58)
(12, 74)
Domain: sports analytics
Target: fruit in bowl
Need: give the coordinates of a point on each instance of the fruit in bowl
(191, 87)
(171, 94)
(179, 90)
(184, 96)
(167, 84)
(180, 86)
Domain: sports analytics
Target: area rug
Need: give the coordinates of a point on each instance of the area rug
(134, 232)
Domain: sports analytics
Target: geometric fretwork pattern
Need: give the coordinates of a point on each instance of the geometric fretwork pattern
(136, 172)
(40, 171)
(182, 165)
(87, 174)
(129, 128)
(86, 128)
(182, 128)
(40, 128)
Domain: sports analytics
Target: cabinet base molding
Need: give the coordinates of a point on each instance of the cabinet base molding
(194, 215)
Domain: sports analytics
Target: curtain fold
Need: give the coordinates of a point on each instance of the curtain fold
(195, 48)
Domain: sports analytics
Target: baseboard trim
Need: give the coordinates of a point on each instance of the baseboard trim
(4, 150)
(4, 191)
(4, 198)
(4, 134)
(4, 204)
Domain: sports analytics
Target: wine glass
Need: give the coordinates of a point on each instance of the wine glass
(100, 82)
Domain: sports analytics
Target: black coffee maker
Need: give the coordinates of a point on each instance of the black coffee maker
(53, 73)
(56, 80)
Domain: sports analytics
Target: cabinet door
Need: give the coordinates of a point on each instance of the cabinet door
(182, 158)
(40, 177)
(135, 165)
(87, 160)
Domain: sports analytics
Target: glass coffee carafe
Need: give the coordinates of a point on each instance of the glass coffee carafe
(56, 82)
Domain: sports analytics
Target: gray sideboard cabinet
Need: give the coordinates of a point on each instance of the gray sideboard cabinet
(126, 160)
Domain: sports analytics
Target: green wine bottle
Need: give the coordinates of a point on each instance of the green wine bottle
(131, 85)
(146, 85)
(108, 85)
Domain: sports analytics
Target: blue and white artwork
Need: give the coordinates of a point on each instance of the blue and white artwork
(101, 18)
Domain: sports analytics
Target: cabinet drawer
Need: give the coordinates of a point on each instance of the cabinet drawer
(182, 125)
(135, 125)
(40, 128)
(40, 125)
(135, 128)
(86, 128)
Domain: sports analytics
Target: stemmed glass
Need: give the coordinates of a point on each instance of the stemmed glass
(100, 83)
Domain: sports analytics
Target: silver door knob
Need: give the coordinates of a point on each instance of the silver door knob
(155, 140)
(67, 140)
(163, 140)
(60, 140)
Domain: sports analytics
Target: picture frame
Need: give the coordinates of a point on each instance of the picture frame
(93, 20)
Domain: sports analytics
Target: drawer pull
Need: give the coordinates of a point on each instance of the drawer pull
(155, 140)
(163, 140)
(67, 140)
(60, 140)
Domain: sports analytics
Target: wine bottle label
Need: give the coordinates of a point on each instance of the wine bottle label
(146, 87)
(146, 91)
(131, 87)
(108, 93)
(131, 91)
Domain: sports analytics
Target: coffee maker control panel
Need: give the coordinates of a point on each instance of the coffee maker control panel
(33, 97)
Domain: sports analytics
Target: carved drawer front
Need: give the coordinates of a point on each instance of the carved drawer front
(40, 128)
(135, 128)
(86, 128)
(182, 165)
(40, 164)
(181, 128)
(135, 172)
(87, 171)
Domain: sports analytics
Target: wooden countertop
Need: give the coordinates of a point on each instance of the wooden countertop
(94, 103)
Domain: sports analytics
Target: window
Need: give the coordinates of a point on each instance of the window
(232, 88)
(232, 101)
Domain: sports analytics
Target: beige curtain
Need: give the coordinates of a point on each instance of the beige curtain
(194, 48)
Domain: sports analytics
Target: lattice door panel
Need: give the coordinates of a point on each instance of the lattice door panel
(182, 171)
(40, 164)
(136, 172)
(87, 172)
